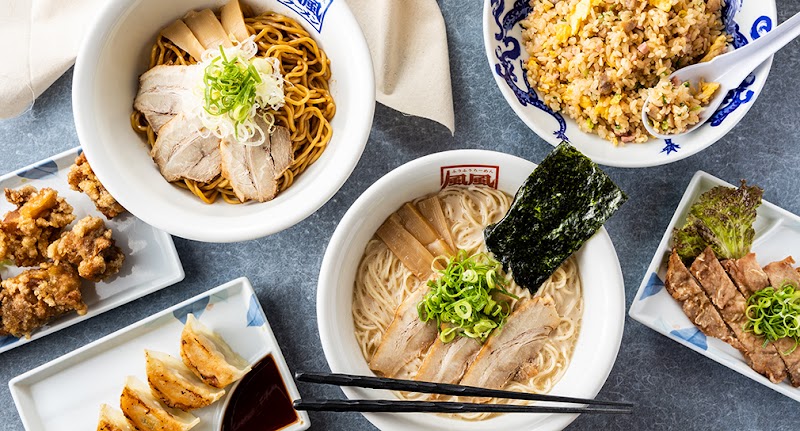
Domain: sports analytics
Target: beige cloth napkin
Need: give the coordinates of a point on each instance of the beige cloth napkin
(408, 43)
(407, 39)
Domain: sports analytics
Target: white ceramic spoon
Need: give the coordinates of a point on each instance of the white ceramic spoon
(729, 70)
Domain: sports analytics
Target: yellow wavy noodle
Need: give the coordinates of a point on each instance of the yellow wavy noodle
(382, 283)
(307, 112)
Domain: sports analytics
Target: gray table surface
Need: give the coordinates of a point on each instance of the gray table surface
(674, 387)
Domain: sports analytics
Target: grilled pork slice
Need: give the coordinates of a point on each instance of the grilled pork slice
(781, 273)
(182, 151)
(406, 338)
(446, 362)
(163, 91)
(520, 339)
(252, 170)
(682, 286)
(747, 274)
(731, 304)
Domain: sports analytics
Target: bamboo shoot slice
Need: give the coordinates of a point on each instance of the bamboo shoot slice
(207, 29)
(418, 226)
(411, 252)
(431, 209)
(179, 34)
(233, 20)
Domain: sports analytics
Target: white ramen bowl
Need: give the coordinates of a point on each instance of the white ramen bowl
(745, 20)
(116, 50)
(604, 296)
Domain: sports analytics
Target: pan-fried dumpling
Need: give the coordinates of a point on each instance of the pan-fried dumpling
(146, 413)
(175, 385)
(112, 419)
(208, 356)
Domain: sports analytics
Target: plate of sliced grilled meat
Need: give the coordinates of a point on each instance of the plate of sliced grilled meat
(724, 282)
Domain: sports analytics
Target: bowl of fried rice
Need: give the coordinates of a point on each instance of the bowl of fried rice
(580, 70)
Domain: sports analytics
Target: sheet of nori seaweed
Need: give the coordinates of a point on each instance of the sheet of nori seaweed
(560, 206)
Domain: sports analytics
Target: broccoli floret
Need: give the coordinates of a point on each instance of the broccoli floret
(723, 219)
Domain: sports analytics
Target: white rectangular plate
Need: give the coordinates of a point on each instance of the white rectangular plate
(151, 261)
(66, 393)
(777, 236)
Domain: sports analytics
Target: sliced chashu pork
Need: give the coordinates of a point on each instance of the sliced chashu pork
(182, 150)
(447, 362)
(253, 171)
(780, 273)
(682, 286)
(519, 340)
(406, 338)
(731, 305)
(163, 93)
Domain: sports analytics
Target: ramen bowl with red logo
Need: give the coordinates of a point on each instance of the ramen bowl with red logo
(603, 290)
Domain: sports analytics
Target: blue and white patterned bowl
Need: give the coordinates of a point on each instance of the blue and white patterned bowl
(746, 20)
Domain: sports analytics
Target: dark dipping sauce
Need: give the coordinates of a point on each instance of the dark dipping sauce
(261, 402)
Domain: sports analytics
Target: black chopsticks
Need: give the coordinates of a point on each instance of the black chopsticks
(398, 406)
(441, 406)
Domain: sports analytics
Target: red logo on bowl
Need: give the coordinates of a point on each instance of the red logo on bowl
(465, 175)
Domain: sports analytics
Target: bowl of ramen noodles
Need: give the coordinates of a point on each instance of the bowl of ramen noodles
(580, 70)
(224, 120)
(419, 281)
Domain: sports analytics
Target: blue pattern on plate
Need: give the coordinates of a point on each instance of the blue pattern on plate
(670, 147)
(742, 94)
(509, 52)
(255, 315)
(692, 335)
(654, 285)
(313, 11)
(5, 341)
(45, 169)
(197, 308)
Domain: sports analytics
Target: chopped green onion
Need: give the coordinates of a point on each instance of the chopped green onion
(775, 314)
(461, 300)
(230, 88)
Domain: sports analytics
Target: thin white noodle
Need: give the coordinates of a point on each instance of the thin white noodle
(382, 283)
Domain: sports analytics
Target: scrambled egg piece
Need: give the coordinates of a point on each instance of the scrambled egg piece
(707, 90)
(579, 15)
(716, 48)
(664, 5)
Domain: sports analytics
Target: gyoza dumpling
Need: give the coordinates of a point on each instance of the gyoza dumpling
(146, 413)
(208, 356)
(175, 385)
(112, 419)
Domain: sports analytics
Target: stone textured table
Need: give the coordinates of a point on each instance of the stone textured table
(674, 387)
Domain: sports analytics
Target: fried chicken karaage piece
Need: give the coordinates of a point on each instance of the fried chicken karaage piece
(82, 179)
(37, 221)
(37, 296)
(90, 247)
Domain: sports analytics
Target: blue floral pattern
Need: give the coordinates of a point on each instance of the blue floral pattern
(313, 11)
(692, 335)
(45, 169)
(255, 315)
(508, 54)
(197, 308)
(7, 340)
(654, 285)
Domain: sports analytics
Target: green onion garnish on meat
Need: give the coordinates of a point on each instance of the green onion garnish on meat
(774, 314)
(230, 87)
(461, 299)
